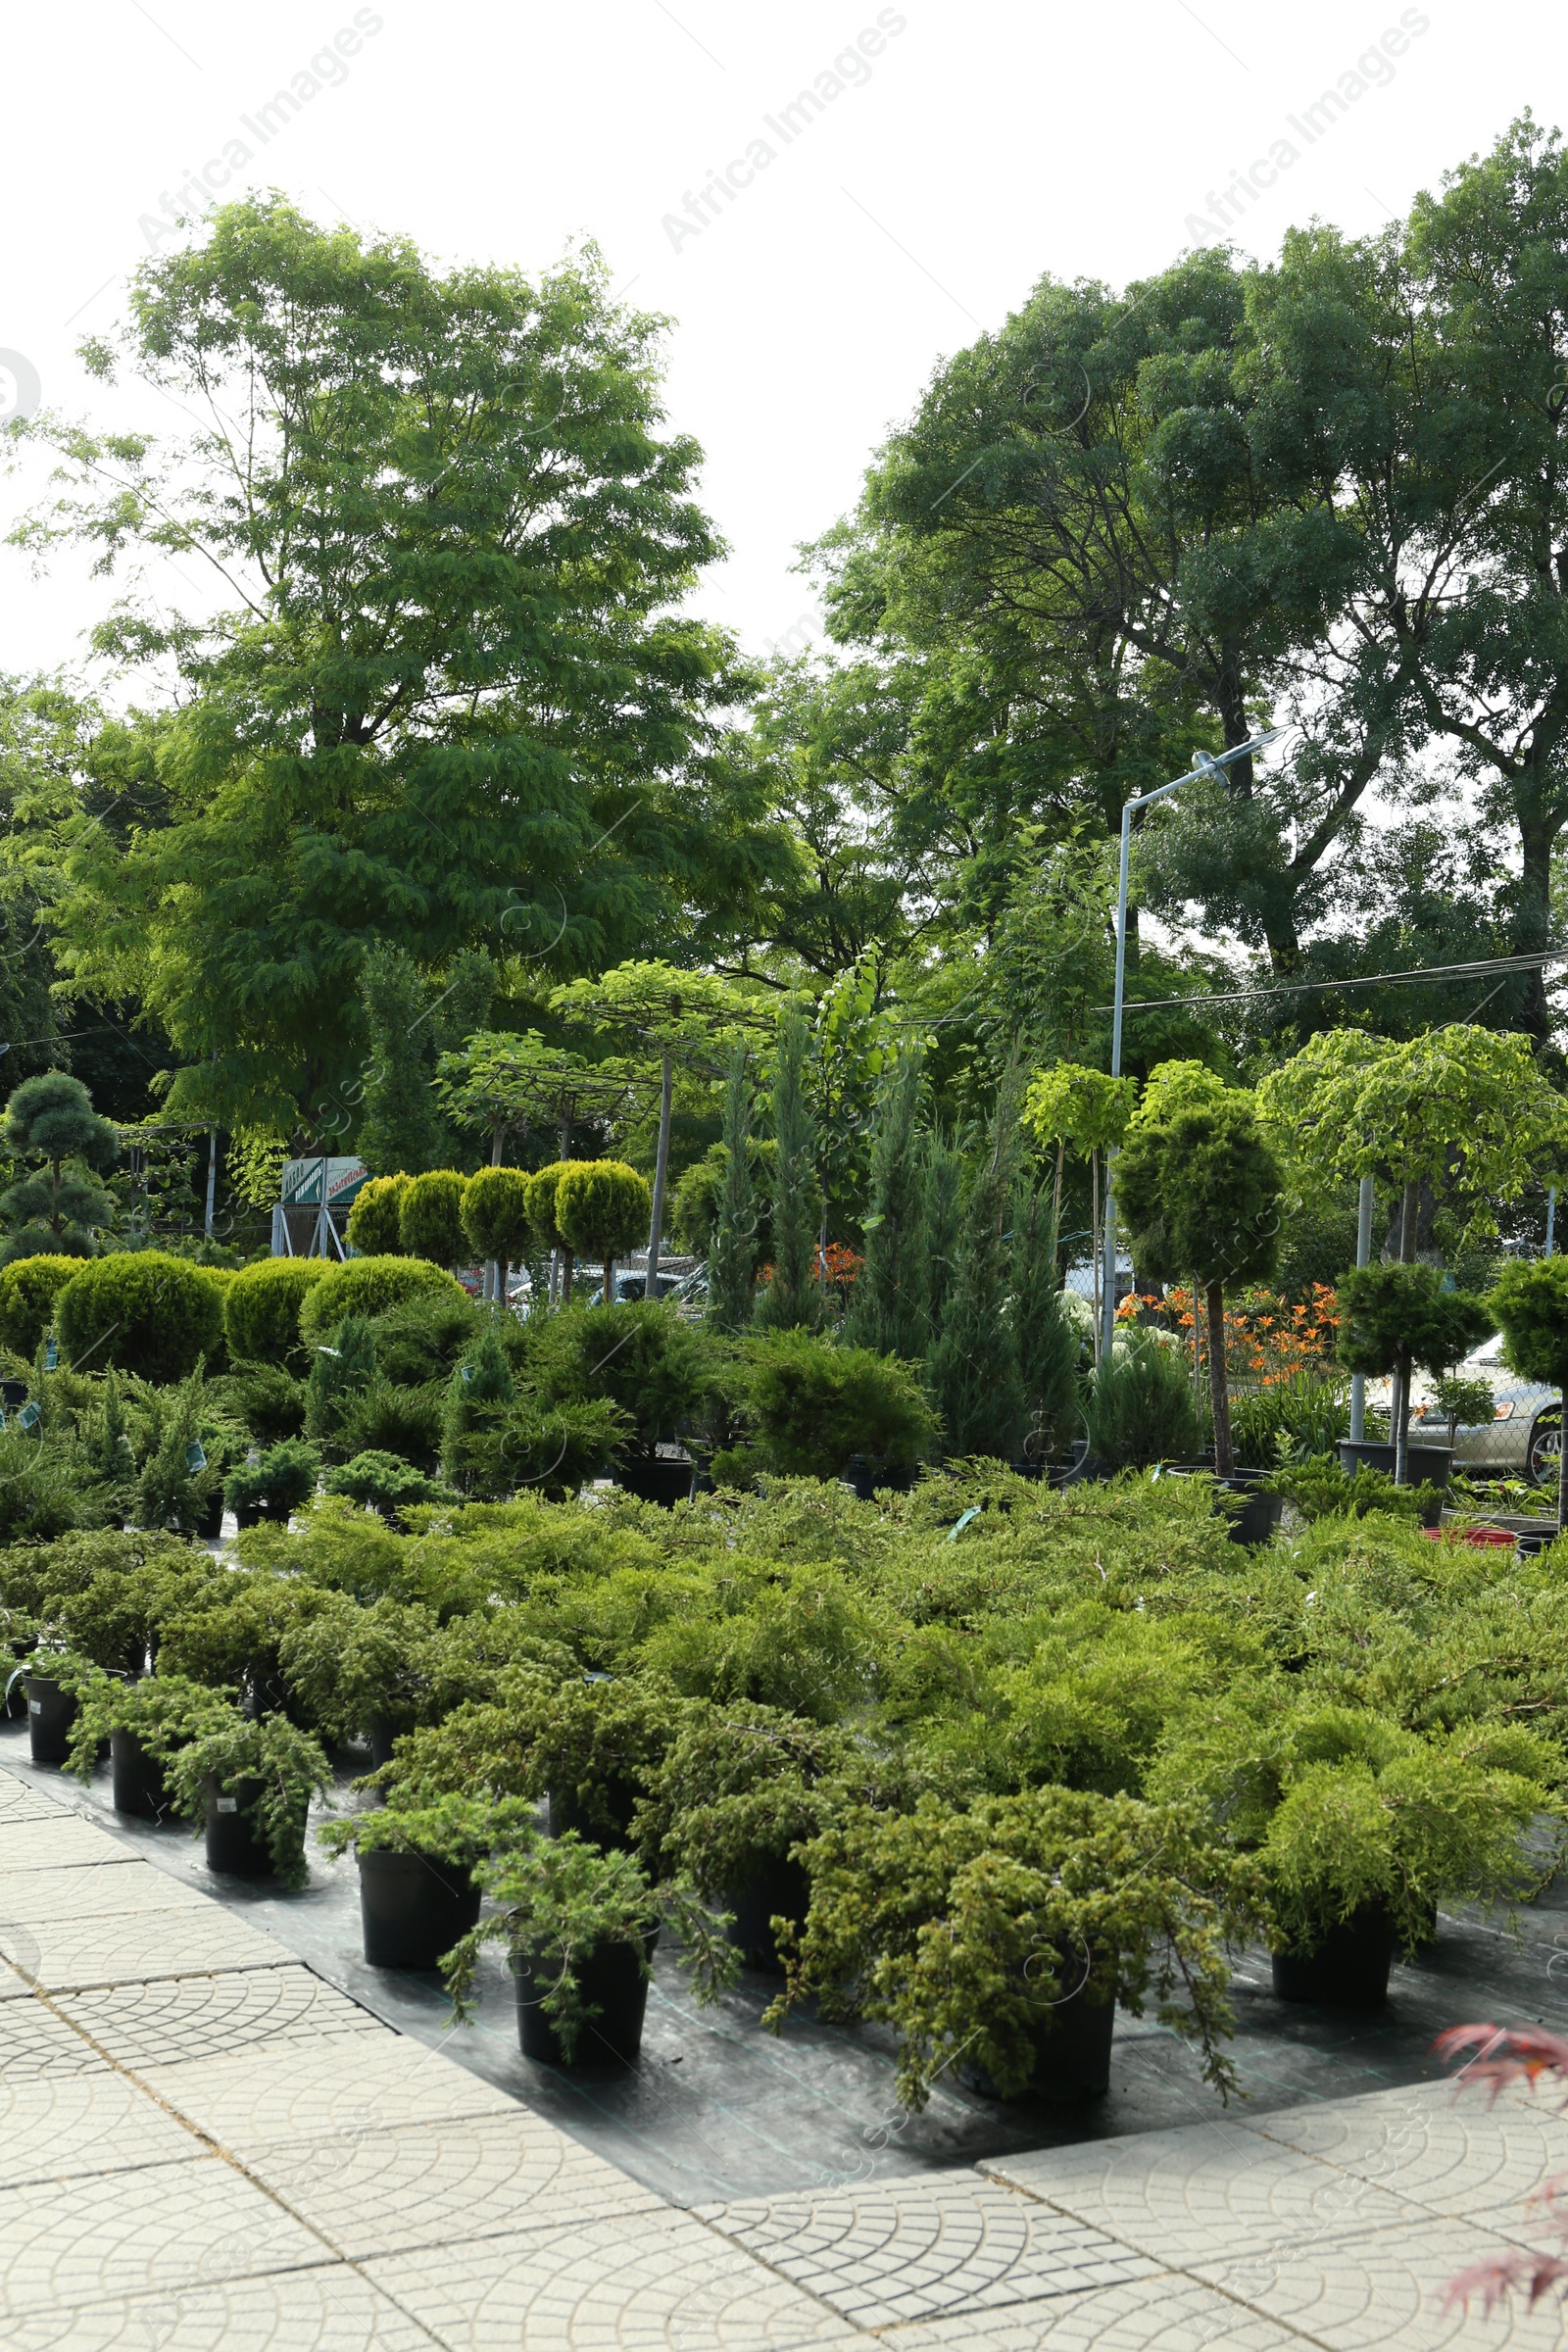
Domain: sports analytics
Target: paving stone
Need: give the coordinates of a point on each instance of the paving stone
(71, 1954)
(56, 2126)
(21, 1801)
(86, 1891)
(176, 2018)
(428, 2183)
(59, 1842)
(1204, 2191)
(166, 2225)
(1162, 2314)
(906, 2249)
(327, 2310)
(1456, 2156)
(650, 2283)
(1382, 2289)
(35, 2041)
(337, 2083)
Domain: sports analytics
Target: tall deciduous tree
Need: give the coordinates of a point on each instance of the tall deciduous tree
(447, 695)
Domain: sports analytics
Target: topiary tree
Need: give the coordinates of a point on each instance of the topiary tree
(601, 1207)
(261, 1311)
(373, 1217)
(542, 1219)
(495, 1218)
(431, 1217)
(367, 1286)
(28, 1289)
(1201, 1191)
(153, 1314)
(1393, 1318)
(1529, 1304)
(61, 1207)
(1081, 1110)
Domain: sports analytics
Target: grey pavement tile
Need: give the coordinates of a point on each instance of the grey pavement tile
(1203, 2191)
(652, 2282)
(327, 2310)
(167, 2225)
(336, 2084)
(1456, 2156)
(21, 1801)
(1162, 2314)
(938, 2242)
(428, 2183)
(177, 2018)
(59, 1843)
(34, 2041)
(87, 1890)
(1382, 2289)
(68, 1954)
(55, 2126)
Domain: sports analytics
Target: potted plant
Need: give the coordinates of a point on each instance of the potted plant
(144, 1722)
(49, 1679)
(386, 1482)
(250, 1781)
(645, 1360)
(809, 1404)
(1141, 1409)
(417, 1892)
(1530, 1304)
(1002, 1935)
(278, 1483)
(1394, 1318)
(579, 1926)
(368, 1671)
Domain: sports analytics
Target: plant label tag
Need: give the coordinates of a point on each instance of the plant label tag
(228, 1804)
(36, 1706)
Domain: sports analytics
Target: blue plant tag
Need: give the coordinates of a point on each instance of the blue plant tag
(195, 1458)
(30, 1415)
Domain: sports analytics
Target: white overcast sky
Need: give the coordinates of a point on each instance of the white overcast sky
(985, 145)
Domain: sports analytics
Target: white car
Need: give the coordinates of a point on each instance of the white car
(1523, 1438)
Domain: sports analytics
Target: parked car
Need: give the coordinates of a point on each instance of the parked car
(1522, 1440)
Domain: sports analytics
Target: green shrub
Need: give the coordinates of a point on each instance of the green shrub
(431, 1217)
(1321, 1489)
(261, 1311)
(1296, 1418)
(28, 1289)
(1141, 1407)
(495, 1216)
(283, 1478)
(421, 1338)
(286, 1766)
(386, 1482)
(810, 1404)
(153, 1314)
(373, 1214)
(603, 1207)
(643, 1356)
(381, 1418)
(369, 1286)
(344, 1365)
(269, 1401)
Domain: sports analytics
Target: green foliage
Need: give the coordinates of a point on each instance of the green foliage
(59, 1209)
(658, 1368)
(1079, 1106)
(961, 1929)
(431, 1217)
(286, 1766)
(458, 1831)
(601, 1208)
(1139, 1408)
(266, 1399)
(975, 1378)
(738, 1787)
(1321, 1489)
(400, 1126)
(733, 1247)
(369, 1286)
(385, 1481)
(1529, 1304)
(375, 1217)
(281, 1479)
(169, 1491)
(28, 1289)
(153, 1314)
(422, 1338)
(261, 1311)
(798, 1639)
(1297, 1418)
(889, 1312)
(793, 1297)
(342, 1367)
(1049, 1344)
(808, 1402)
(166, 1712)
(495, 1216)
(1393, 1317)
(350, 1668)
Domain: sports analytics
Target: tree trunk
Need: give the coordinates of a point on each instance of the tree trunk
(1562, 1471)
(610, 1282)
(1218, 1390)
(1094, 1242)
(567, 1263)
(1055, 1193)
(667, 1093)
(1532, 923)
(1401, 1423)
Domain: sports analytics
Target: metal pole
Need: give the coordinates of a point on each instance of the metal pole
(212, 1177)
(1363, 1257)
(1551, 1219)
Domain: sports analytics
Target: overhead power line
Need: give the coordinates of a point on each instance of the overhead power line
(1308, 988)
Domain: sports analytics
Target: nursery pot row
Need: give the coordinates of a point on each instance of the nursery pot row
(51, 1713)
(412, 1909)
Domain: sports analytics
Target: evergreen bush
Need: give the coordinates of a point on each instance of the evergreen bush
(369, 1286)
(431, 1217)
(28, 1289)
(155, 1315)
(374, 1227)
(261, 1311)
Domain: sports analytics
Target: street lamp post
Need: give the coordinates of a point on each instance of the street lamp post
(1206, 766)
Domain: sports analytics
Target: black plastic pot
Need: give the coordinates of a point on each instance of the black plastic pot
(779, 1889)
(1348, 1970)
(1257, 1518)
(412, 1909)
(619, 1796)
(660, 1478)
(51, 1712)
(866, 1473)
(137, 1779)
(1427, 1465)
(247, 1514)
(613, 1983)
(1073, 2053)
(210, 1526)
(381, 1737)
(1022, 1466)
(232, 1844)
(1527, 1547)
(13, 1394)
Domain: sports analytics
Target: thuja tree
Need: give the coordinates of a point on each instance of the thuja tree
(1200, 1192)
(793, 1299)
(890, 1311)
(1395, 1317)
(975, 1378)
(732, 1261)
(1047, 1342)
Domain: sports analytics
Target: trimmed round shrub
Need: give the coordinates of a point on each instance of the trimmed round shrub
(28, 1289)
(431, 1217)
(495, 1213)
(367, 1286)
(542, 1186)
(262, 1310)
(153, 1314)
(373, 1216)
(603, 1207)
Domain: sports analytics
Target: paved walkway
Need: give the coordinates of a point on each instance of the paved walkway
(203, 2144)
